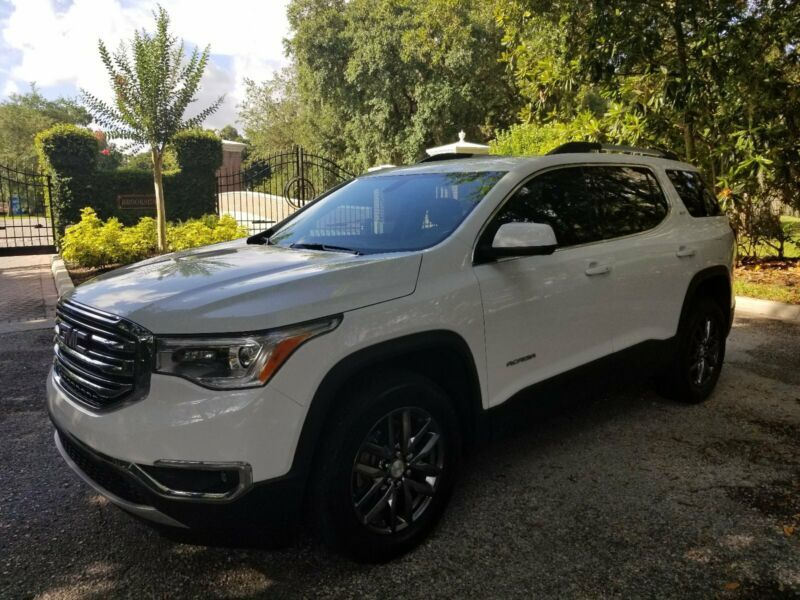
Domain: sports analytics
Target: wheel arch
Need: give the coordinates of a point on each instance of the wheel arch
(714, 282)
(442, 355)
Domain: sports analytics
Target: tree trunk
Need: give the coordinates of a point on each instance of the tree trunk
(683, 69)
(161, 214)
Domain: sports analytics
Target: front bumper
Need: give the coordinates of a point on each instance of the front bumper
(267, 506)
(180, 421)
(181, 424)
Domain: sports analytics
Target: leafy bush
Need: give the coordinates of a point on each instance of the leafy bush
(201, 232)
(94, 243)
(198, 150)
(529, 139)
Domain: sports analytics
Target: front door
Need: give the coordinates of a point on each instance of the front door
(544, 315)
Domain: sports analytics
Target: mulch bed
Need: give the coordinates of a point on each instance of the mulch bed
(82, 274)
(770, 279)
(785, 272)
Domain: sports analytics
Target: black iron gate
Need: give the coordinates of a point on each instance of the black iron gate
(26, 218)
(271, 189)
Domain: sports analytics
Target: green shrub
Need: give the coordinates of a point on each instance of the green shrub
(94, 243)
(198, 150)
(530, 139)
(209, 229)
(67, 149)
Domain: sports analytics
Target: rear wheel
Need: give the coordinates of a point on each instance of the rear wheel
(387, 468)
(700, 352)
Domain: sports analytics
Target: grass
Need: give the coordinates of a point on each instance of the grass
(767, 291)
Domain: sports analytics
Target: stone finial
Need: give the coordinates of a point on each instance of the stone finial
(461, 135)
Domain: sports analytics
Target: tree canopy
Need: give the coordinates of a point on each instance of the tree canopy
(718, 82)
(377, 81)
(22, 116)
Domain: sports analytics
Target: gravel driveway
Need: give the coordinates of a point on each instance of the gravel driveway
(627, 495)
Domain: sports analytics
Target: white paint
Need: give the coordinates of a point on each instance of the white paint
(568, 308)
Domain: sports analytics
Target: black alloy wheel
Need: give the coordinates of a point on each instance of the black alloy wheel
(386, 467)
(700, 351)
(704, 350)
(397, 470)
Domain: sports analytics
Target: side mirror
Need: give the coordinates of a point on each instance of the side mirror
(523, 239)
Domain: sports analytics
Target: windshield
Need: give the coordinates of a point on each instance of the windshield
(387, 213)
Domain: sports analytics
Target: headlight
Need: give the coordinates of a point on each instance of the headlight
(233, 361)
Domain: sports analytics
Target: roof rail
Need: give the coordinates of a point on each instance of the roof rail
(584, 147)
(446, 156)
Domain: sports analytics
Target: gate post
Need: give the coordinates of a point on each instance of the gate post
(56, 240)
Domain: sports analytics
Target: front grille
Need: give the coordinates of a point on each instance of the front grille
(100, 360)
(106, 475)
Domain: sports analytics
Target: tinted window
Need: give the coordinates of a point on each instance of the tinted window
(695, 193)
(558, 198)
(389, 213)
(628, 199)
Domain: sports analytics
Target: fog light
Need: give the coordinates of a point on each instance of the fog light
(196, 480)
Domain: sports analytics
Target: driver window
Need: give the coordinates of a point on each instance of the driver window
(558, 198)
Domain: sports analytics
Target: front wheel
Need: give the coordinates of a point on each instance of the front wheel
(388, 466)
(700, 352)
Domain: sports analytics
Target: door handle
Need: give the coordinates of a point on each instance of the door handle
(684, 252)
(597, 269)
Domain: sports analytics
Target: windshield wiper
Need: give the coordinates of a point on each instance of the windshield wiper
(324, 247)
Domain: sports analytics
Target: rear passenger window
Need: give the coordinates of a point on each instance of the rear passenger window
(558, 198)
(629, 199)
(695, 193)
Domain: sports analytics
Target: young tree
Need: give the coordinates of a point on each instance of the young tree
(152, 86)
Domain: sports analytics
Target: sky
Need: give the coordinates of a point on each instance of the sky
(54, 43)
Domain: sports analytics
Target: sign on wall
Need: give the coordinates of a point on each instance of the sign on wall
(136, 201)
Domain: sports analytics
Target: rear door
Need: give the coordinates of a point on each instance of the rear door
(650, 277)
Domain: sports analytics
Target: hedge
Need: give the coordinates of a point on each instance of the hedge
(188, 195)
(198, 150)
(67, 149)
(69, 154)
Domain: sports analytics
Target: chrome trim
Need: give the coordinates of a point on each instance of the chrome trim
(103, 362)
(125, 369)
(244, 470)
(74, 373)
(140, 510)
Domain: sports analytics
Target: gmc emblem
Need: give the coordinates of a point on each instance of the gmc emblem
(73, 338)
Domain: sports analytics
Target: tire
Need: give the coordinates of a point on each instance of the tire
(369, 500)
(696, 366)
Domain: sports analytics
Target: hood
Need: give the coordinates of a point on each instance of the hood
(236, 287)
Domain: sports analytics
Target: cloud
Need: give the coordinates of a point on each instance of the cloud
(54, 43)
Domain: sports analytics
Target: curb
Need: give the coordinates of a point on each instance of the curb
(769, 309)
(61, 276)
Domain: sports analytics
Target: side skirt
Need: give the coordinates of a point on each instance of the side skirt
(554, 395)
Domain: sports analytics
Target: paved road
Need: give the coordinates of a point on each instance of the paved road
(27, 292)
(627, 495)
(25, 231)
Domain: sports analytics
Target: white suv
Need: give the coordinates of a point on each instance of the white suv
(336, 367)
